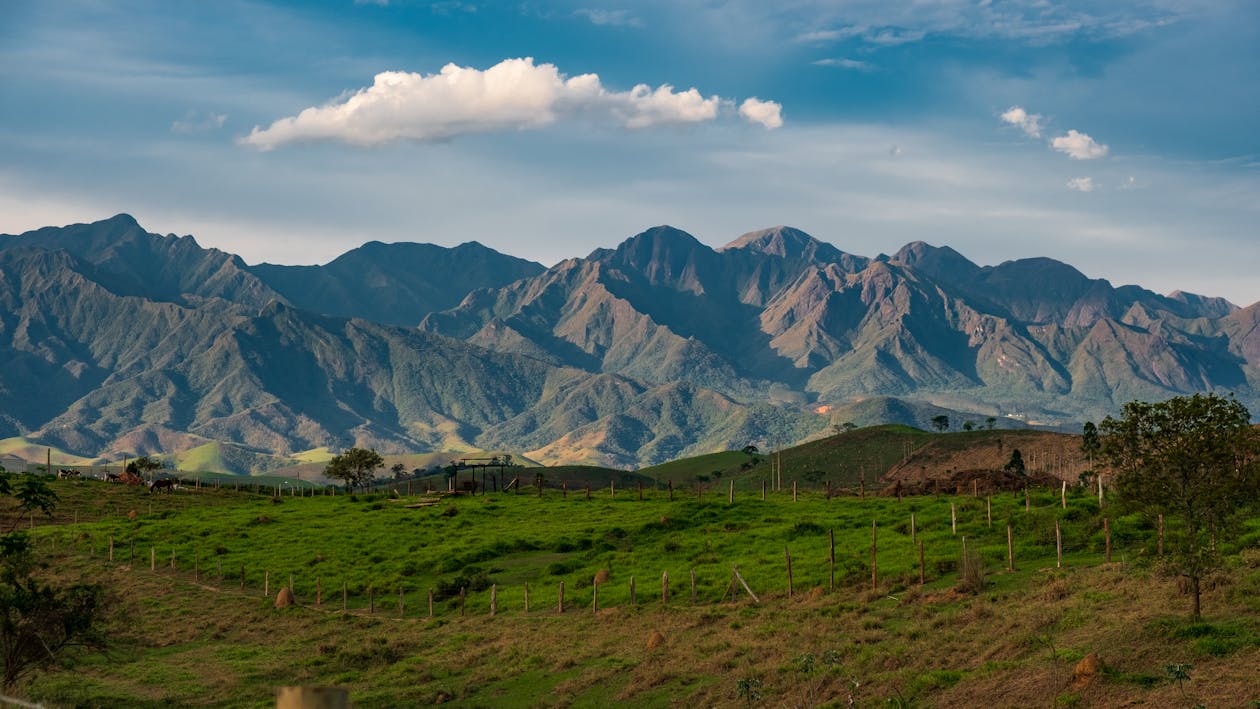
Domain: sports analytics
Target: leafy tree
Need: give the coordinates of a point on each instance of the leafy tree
(848, 426)
(145, 466)
(1091, 444)
(990, 422)
(941, 423)
(1015, 465)
(749, 450)
(1195, 460)
(38, 621)
(968, 425)
(355, 467)
(399, 470)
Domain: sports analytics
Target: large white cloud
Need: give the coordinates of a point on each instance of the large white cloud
(514, 94)
(1030, 123)
(1079, 146)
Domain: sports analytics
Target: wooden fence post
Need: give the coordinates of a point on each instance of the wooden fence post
(831, 559)
(735, 570)
(588, 491)
(319, 593)
(1160, 544)
(874, 564)
(1107, 537)
(671, 490)
(111, 547)
(1100, 492)
(612, 489)
(402, 603)
(560, 604)
(988, 509)
(665, 587)
(1010, 549)
(730, 494)
(633, 600)
(430, 603)
(1063, 494)
(1027, 504)
(787, 555)
(595, 596)
(1058, 545)
(494, 598)
(693, 586)
(953, 519)
(640, 491)
(172, 558)
(242, 577)
(526, 596)
(290, 583)
(793, 491)
(463, 598)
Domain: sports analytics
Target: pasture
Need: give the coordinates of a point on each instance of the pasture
(193, 633)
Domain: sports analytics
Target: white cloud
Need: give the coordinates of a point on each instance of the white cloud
(846, 63)
(514, 94)
(192, 122)
(1079, 146)
(610, 18)
(1081, 184)
(766, 113)
(1030, 123)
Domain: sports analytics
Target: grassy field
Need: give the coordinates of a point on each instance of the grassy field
(186, 636)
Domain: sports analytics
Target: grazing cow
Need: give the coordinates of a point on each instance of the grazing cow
(113, 478)
(65, 474)
(164, 484)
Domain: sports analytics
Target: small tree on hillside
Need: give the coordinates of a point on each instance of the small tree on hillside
(1195, 460)
(1015, 465)
(355, 467)
(941, 423)
(1091, 444)
(399, 470)
(145, 466)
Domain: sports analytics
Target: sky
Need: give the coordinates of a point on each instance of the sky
(1119, 136)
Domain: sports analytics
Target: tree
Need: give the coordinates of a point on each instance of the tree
(749, 450)
(38, 621)
(399, 470)
(355, 467)
(941, 423)
(1196, 461)
(145, 466)
(990, 422)
(968, 425)
(1015, 465)
(1091, 444)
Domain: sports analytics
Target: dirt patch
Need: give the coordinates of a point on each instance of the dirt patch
(1087, 670)
(655, 640)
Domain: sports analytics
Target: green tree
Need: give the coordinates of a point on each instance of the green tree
(145, 466)
(399, 470)
(941, 423)
(1196, 461)
(1015, 465)
(1091, 444)
(355, 467)
(990, 422)
(968, 425)
(39, 622)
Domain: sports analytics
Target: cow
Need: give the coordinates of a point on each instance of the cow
(113, 478)
(65, 474)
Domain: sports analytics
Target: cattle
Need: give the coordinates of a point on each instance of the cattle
(113, 478)
(65, 474)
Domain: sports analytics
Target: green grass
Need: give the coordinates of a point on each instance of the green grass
(220, 646)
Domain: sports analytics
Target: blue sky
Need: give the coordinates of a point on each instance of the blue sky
(1117, 136)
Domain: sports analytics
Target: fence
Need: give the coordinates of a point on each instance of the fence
(898, 556)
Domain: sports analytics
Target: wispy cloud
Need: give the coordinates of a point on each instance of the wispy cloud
(514, 94)
(1079, 146)
(609, 18)
(1081, 184)
(845, 63)
(194, 122)
(1030, 123)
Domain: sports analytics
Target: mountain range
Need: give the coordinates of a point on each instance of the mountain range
(118, 341)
